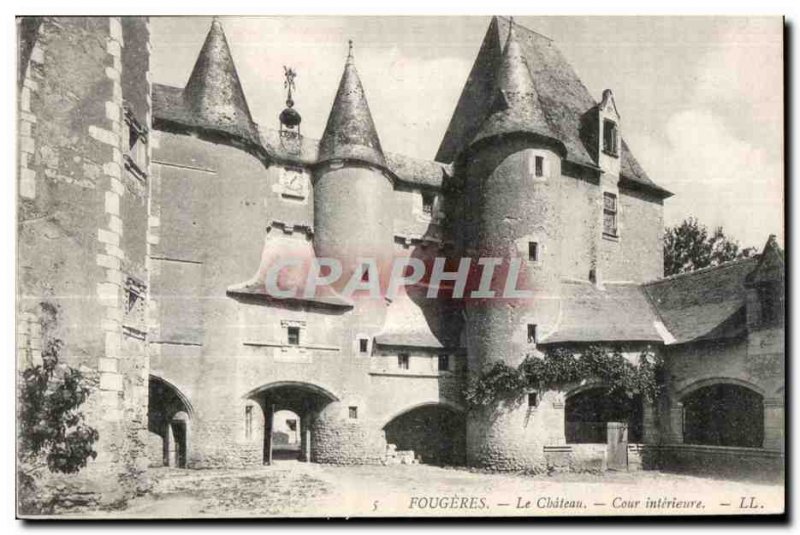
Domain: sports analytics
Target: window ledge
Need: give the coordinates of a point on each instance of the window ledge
(286, 346)
(134, 332)
(135, 170)
(611, 237)
(400, 373)
(610, 153)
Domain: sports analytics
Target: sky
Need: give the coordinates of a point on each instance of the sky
(700, 98)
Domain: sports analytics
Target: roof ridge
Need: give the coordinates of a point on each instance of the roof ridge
(726, 264)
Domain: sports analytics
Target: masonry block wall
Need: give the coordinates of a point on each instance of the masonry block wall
(171, 218)
(77, 246)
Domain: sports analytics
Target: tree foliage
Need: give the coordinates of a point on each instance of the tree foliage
(690, 246)
(50, 422)
(501, 382)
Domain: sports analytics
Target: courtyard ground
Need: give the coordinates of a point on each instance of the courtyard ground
(294, 489)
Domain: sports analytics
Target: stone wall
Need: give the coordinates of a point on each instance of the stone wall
(722, 461)
(80, 233)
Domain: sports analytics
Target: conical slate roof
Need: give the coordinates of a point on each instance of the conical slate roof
(516, 107)
(213, 93)
(350, 132)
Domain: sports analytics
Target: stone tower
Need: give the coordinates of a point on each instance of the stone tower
(352, 185)
(512, 170)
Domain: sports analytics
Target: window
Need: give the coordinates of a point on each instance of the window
(531, 333)
(364, 272)
(353, 413)
(539, 166)
(363, 345)
(136, 145)
(609, 214)
(610, 137)
(134, 313)
(533, 399)
(444, 363)
(248, 421)
(533, 251)
(768, 300)
(427, 203)
(293, 334)
(402, 361)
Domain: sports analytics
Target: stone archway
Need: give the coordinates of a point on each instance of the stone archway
(169, 418)
(723, 414)
(434, 432)
(305, 400)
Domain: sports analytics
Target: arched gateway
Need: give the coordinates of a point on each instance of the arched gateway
(305, 400)
(169, 418)
(435, 432)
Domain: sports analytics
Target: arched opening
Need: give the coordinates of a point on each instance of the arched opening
(435, 433)
(723, 414)
(168, 422)
(289, 410)
(286, 435)
(587, 413)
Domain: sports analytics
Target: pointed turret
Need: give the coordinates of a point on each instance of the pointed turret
(516, 107)
(350, 132)
(213, 93)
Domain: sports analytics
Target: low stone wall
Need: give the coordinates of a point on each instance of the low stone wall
(575, 458)
(725, 461)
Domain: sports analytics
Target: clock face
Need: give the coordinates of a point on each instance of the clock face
(294, 183)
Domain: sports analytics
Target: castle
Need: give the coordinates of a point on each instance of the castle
(148, 215)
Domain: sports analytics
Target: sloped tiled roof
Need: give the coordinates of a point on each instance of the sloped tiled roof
(704, 304)
(416, 324)
(515, 107)
(616, 313)
(350, 131)
(563, 98)
(214, 93)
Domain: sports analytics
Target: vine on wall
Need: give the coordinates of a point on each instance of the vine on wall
(501, 382)
(52, 428)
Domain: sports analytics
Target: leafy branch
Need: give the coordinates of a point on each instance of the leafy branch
(49, 416)
(501, 382)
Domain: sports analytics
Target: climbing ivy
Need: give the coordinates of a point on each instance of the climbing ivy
(50, 422)
(501, 382)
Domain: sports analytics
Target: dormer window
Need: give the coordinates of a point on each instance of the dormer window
(610, 138)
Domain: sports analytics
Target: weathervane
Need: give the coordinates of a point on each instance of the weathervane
(290, 119)
(289, 75)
